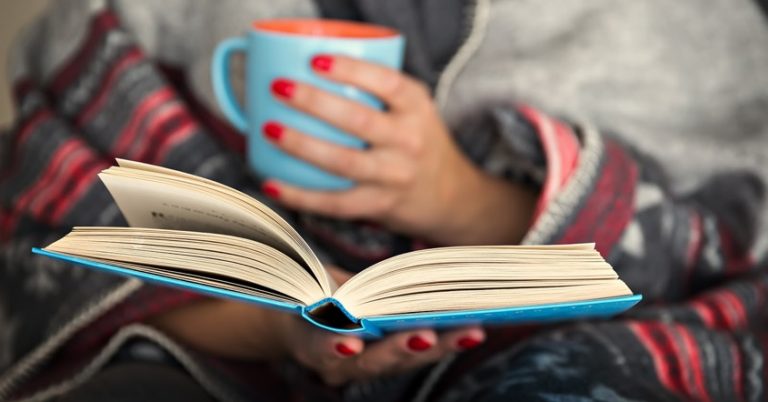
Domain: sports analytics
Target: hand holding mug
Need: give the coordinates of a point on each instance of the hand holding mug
(412, 177)
(284, 48)
(319, 134)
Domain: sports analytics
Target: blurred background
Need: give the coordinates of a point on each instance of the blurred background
(14, 14)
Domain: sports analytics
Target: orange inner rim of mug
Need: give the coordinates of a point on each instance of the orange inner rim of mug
(329, 28)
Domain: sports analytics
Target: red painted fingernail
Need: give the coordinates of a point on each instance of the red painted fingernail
(345, 350)
(468, 343)
(270, 189)
(322, 63)
(273, 131)
(418, 344)
(283, 87)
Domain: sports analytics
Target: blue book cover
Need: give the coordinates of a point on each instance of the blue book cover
(196, 234)
(376, 326)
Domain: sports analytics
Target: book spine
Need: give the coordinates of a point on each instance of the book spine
(331, 315)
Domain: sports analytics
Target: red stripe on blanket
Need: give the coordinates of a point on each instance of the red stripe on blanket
(721, 319)
(697, 387)
(175, 137)
(155, 125)
(736, 308)
(69, 154)
(723, 306)
(128, 135)
(704, 312)
(657, 352)
(101, 23)
(66, 150)
(82, 182)
(721, 309)
(130, 58)
(73, 165)
(738, 370)
(561, 149)
(681, 381)
(31, 126)
(67, 187)
(610, 206)
(166, 128)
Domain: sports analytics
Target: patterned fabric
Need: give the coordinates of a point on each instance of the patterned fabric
(701, 332)
(622, 361)
(699, 335)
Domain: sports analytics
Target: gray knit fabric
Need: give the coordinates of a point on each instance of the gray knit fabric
(168, 31)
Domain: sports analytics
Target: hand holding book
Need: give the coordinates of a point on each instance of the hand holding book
(245, 331)
(401, 351)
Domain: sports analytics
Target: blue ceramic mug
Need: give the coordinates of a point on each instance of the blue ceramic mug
(284, 48)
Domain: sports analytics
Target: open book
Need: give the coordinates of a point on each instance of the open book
(195, 233)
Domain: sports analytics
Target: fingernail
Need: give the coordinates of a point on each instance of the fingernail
(283, 87)
(468, 343)
(270, 189)
(322, 63)
(418, 344)
(273, 131)
(345, 350)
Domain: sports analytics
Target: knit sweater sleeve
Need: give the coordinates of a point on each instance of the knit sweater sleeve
(595, 188)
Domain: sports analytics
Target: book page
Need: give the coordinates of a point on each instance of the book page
(480, 277)
(146, 204)
(235, 263)
(155, 197)
(477, 299)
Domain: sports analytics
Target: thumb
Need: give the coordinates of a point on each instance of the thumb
(330, 346)
(316, 347)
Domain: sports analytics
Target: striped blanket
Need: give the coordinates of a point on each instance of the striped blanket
(89, 92)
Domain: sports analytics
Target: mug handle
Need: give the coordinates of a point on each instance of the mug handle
(221, 83)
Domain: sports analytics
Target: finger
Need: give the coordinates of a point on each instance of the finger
(360, 202)
(396, 89)
(326, 352)
(353, 117)
(343, 161)
(411, 348)
(447, 343)
(342, 347)
(326, 349)
(373, 165)
(462, 339)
